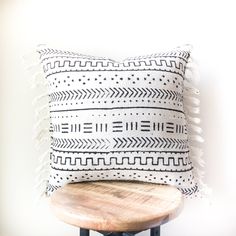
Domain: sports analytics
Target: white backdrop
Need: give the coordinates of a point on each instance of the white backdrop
(118, 29)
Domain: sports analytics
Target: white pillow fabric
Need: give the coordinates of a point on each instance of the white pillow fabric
(114, 120)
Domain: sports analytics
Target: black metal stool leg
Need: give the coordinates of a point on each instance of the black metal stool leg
(130, 233)
(117, 234)
(84, 232)
(155, 231)
(112, 233)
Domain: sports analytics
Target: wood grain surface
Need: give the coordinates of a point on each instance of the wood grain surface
(116, 205)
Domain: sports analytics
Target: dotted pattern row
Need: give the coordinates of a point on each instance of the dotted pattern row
(83, 80)
(120, 114)
(165, 179)
(178, 104)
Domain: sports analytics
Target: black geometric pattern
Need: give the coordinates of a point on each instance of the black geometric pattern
(149, 142)
(189, 191)
(81, 143)
(98, 93)
(119, 126)
(117, 143)
(79, 162)
(161, 64)
(118, 120)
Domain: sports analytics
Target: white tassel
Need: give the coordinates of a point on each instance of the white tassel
(33, 69)
(193, 100)
(198, 171)
(42, 111)
(196, 156)
(190, 65)
(191, 74)
(188, 74)
(40, 97)
(41, 171)
(196, 151)
(195, 128)
(39, 143)
(41, 168)
(41, 122)
(41, 180)
(205, 191)
(40, 183)
(44, 156)
(194, 120)
(42, 174)
(196, 138)
(191, 109)
(191, 90)
(38, 80)
(40, 134)
(39, 197)
(198, 161)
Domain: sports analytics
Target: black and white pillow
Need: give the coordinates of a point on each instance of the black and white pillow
(128, 120)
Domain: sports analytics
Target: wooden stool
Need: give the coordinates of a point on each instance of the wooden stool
(116, 208)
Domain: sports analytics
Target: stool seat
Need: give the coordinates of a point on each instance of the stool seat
(117, 206)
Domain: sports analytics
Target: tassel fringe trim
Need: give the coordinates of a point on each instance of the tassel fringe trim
(41, 134)
(192, 111)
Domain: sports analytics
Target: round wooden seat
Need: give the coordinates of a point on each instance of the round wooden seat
(117, 206)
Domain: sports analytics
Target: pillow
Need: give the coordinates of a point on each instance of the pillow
(127, 120)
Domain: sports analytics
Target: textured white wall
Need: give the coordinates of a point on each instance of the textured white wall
(118, 29)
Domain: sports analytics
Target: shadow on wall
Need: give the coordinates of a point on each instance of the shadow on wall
(211, 118)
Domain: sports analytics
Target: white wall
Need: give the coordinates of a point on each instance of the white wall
(118, 29)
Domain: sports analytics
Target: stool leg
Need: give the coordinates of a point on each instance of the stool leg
(155, 231)
(130, 234)
(114, 234)
(117, 234)
(84, 232)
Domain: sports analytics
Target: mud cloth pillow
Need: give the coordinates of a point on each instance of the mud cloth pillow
(113, 120)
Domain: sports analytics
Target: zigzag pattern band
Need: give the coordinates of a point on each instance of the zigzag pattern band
(149, 142)
(119, 143)
(98, 93)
